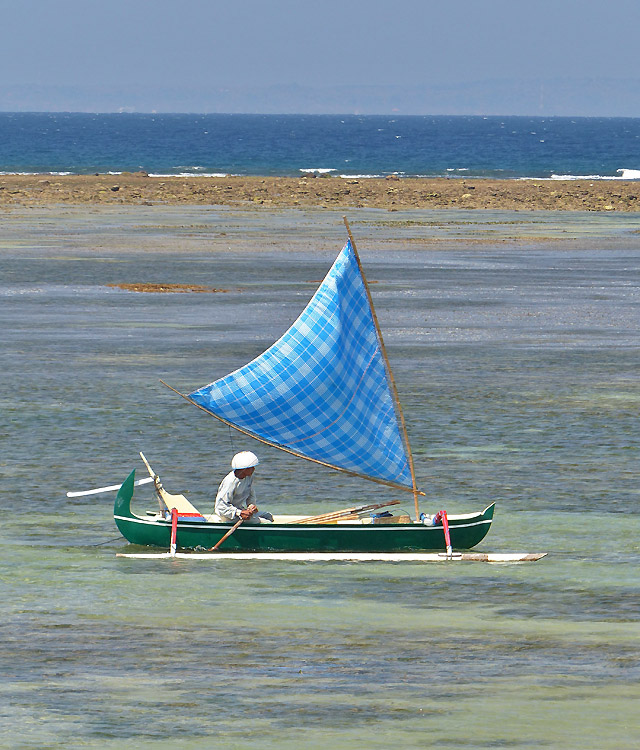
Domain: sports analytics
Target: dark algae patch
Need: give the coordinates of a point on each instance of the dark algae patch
(168, 288)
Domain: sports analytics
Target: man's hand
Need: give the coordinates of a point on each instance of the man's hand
(248, 512)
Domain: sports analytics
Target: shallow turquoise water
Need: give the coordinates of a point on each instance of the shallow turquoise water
(517, 366)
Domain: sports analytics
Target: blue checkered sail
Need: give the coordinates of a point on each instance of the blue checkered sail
(321, 391)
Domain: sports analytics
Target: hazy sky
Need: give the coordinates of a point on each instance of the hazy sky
(239, 44)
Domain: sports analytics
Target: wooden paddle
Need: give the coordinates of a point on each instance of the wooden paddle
(226, 536)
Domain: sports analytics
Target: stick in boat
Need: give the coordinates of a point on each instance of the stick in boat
(326, 517)
(152, 473)
(110, 488)
(156, 483)
(226, 536)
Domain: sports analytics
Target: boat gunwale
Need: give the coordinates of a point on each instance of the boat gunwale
(162, 523)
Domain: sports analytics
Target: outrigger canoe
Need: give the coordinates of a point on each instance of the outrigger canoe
(323, 392)
(288, 534)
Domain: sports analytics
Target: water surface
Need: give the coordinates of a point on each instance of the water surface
(514, 341)
(348, 145)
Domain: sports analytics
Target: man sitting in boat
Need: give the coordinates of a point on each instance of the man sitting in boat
(236, 497)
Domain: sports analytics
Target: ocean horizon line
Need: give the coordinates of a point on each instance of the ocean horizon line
(126, 111)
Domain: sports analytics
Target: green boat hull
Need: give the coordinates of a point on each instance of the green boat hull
(465, 531)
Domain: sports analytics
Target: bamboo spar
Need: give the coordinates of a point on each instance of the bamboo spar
(288, 450)
(392, 382)
(336, 514)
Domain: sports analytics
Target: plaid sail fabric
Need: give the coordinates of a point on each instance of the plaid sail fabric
(321, 390)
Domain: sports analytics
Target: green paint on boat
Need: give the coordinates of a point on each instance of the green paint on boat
(466, 532)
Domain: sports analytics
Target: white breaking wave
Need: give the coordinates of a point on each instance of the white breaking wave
(576, 177)
(191, 174)
(35, 174)
(623, 174)
(359, 176)
(175, 174)
(629, 174)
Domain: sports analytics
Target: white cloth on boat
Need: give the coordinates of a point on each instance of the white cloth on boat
(234, 495)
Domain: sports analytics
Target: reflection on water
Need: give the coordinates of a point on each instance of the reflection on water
(517, 367)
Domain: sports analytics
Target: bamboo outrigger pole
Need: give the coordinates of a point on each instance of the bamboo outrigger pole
(392, 382)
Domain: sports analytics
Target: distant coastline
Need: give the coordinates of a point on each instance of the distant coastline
(389, 193)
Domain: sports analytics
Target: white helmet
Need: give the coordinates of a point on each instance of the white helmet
(244, 460)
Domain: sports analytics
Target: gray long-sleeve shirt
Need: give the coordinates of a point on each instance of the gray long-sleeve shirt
(233, 496)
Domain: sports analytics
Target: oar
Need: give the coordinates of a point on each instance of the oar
(110, 488)
(226, 536)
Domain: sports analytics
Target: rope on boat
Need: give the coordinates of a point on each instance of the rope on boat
(99, 544)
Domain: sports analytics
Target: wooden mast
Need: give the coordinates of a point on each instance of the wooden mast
(392, 382)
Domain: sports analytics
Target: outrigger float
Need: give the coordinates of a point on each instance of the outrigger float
(323, 392)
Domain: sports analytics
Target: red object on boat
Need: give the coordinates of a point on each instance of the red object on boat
(174, 530)
(441, 516)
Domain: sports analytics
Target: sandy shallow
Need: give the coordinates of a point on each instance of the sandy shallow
(323, 192)
(85, 230)
(63, 231)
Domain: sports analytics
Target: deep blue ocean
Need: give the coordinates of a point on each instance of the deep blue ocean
(349, 145)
